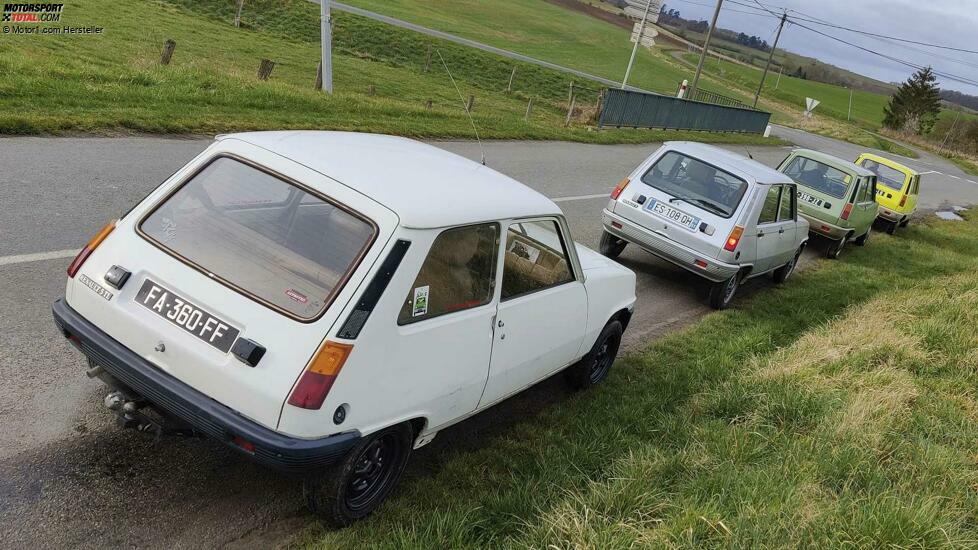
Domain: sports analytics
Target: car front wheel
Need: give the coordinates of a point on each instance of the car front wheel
(722, 294)
(594, 367)
(610, 245)
(363, 480)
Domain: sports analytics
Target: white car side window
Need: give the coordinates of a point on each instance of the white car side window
(459, 273)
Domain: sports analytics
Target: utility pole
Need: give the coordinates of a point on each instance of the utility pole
(326, 31)
(641, 33)
(784, 16)
(849, 114)
(948, 134)
(706, 48)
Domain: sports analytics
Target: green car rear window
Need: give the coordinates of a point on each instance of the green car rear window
(819, 177)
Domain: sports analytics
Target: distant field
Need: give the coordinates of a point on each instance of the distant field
(867, 107)
(542, 30)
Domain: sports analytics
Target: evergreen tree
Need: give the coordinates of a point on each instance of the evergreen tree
(915, 105)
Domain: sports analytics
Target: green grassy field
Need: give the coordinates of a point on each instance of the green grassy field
(113, 83)
(838, 410)
(867, 108)
(542, 30)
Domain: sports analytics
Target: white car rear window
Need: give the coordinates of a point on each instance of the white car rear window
(269, 239)
(697, 183)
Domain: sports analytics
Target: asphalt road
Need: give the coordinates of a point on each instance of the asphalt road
(69, 477)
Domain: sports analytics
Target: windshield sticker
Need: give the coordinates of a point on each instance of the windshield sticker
(169, 228)
(420, 304)
(848, 178)
(524, 250)
(298, 297)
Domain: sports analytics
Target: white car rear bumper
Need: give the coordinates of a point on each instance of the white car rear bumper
(667, 249)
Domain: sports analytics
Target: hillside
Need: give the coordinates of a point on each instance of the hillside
(114, 82)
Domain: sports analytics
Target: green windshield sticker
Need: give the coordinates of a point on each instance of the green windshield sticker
(420, 304)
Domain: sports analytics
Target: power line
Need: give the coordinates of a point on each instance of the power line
(867, 33)
(796, 19)
(960, 79)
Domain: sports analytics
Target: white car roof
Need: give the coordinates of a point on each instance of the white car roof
(426, 186)
(738, 165)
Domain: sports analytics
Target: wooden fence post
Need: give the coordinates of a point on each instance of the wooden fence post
(470, 103)
(570, 111)
(570, 95)
(427, 59)
(265, 69)
(599, 105)
(168, 48)
(529, 110)
(371, 90)
(509, 87)
(237, 14)
(319, 76)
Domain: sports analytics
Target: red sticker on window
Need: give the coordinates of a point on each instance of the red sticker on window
(301, 298)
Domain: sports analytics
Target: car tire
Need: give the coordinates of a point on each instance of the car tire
(905, 222)
(891, 227)
(782, 273)
(363, 480)
(722, 293)
(864, 238)
(835, 248)
(594, 367)
(610, 245)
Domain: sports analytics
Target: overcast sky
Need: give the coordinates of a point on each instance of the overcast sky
(945, 22)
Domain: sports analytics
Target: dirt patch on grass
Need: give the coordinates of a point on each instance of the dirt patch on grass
(604, 15)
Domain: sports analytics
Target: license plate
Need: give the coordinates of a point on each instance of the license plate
(810, 199)
(665, 211)
(184, 314)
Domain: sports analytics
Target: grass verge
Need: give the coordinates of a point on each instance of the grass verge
(113, 83)
(837, 410)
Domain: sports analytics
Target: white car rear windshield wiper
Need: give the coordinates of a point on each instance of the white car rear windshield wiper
(711, 206)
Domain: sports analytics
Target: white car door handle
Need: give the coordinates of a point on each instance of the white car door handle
(501, 324)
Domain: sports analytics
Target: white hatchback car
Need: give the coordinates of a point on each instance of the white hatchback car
(325, 302)
(717, 214)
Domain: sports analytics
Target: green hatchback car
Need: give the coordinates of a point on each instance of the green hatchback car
(836, 196)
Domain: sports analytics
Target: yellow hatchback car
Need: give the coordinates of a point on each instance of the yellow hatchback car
(896, 192)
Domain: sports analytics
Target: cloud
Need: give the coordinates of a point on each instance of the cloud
(947, 22)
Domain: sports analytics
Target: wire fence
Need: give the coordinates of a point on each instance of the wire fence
(714, 98)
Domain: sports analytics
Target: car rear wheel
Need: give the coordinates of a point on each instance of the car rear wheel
(782, 273)
(835, 248)
(722, 294)
(864, 238)
(610, 245)
(905, 222)
(363, 480)
(594, 367)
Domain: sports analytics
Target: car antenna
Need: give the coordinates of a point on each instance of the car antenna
(464, 106)
(750, 156)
